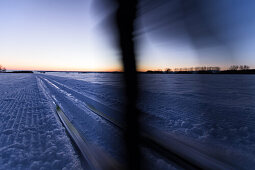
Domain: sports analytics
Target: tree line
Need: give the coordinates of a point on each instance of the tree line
(205, 69)
(237, 67)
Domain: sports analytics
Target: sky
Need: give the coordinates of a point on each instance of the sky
(76, 35)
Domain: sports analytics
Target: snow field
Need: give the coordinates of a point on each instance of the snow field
(31, 137)
(215, 110)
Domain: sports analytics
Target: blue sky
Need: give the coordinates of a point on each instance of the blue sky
(72, 35)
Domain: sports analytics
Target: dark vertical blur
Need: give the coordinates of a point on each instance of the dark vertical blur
(125, 17)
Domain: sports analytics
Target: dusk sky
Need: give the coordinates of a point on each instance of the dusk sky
(73, 35)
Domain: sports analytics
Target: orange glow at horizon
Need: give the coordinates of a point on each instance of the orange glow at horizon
(92, 69)
(32, 68)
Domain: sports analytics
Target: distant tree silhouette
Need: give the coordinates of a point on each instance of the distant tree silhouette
(2, 69)
(233, 67)
(168, 70)
(197, 69)
(241, 67)
(244, 67)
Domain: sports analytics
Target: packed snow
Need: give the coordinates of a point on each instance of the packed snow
(212, 110)
(31, 137)
(94, 128)
(215, 110)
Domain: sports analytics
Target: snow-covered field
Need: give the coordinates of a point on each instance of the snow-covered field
(216, 110)
(30, 135)
(212, 110)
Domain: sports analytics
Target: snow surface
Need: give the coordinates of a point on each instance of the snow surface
(94, 128)
(216, 110)
(211, 108)
(30, 135)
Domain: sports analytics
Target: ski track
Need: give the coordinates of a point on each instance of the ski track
(30, 135)
(93, 127)
(216, 110)
(185, 108)
(198, 107)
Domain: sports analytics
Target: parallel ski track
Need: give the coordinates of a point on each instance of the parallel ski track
(181, 157)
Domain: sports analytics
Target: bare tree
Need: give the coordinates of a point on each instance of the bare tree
(246, 67)
(241, 67)
(2, 69)
(234, 67)
(167, 70)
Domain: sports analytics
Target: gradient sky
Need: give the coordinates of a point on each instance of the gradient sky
(73, 35)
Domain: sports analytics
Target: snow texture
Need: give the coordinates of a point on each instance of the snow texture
(212, 110)
(30, 135)
(76, 104)
(216, 110)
